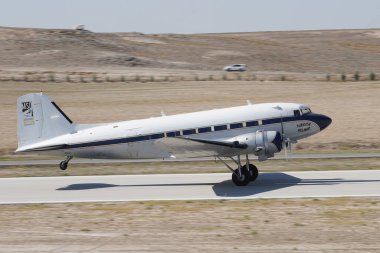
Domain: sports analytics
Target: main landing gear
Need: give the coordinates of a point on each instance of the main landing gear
(243, 174)
(64, 163)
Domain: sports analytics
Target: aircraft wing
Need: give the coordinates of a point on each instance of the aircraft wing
(188, 147)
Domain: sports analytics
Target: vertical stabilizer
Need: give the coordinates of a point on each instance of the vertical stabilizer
(39, 118)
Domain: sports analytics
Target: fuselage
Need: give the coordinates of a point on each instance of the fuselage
(136, 139)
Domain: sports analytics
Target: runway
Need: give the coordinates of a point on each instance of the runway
(311, 184)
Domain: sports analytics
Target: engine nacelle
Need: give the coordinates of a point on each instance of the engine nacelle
(262, 143)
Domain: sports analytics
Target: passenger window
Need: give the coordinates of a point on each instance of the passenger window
(173, 134)
(220, 128)
(236, 125)
(189, 131)
(156, 136)
(251, 123)
(204, 130)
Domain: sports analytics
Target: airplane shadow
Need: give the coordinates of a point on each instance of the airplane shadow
(265, 182)
(274, 181)
(90, 186)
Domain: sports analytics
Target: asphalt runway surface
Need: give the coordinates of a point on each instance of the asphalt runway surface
(311, 184)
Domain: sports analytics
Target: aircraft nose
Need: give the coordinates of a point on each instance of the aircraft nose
(322, 121)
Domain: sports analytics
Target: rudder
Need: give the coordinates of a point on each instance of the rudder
(39, 118)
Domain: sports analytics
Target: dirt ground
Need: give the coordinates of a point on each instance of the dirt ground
(64, 50)
(186, 167)
(353, 106)
(283, 225)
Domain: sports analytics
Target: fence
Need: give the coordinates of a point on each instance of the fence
(75, 77)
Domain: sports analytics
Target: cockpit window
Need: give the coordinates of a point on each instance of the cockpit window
(297, 113)
(305, 111)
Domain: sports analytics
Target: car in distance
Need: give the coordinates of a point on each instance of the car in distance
(236, 67)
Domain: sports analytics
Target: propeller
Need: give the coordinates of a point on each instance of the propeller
(287, 143)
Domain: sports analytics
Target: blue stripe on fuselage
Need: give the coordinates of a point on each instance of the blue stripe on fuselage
(161, 135)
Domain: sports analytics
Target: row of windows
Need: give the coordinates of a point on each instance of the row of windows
(145, 137)
(207, 129)
(193, 131)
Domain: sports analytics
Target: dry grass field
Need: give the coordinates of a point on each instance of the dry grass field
(285, 225)
(353, 106)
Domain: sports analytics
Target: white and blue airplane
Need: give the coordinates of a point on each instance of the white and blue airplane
(258, 129)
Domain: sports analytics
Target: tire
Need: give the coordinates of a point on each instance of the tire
(253, 172)
(63, 165)
(244, 180)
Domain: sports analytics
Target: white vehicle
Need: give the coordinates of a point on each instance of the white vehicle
(79, 27)
(259, 129)
(236, 67)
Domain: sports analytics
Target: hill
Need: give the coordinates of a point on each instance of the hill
(329, 51)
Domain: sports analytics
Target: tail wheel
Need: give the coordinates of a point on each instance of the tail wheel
(242, 180)
(63, 165)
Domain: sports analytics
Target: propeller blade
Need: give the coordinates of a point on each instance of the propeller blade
(285, 150)
(290, 149)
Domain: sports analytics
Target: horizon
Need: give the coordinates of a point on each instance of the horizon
(268, 31)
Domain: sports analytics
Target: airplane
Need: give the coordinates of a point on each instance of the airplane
(253, 129)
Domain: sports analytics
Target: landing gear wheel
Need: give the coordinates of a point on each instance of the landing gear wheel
(253, 171)
(243, 180)
(63, 165)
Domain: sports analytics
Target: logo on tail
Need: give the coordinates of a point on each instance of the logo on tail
(27, 110)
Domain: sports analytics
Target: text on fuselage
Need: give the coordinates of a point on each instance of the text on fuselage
(303, 127)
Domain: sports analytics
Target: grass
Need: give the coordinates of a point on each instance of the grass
(254, 232)
(347, 213)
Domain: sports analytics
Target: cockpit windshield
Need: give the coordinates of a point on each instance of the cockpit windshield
(302, 111)
(305, 110)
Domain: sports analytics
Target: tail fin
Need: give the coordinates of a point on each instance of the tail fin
(39, 118)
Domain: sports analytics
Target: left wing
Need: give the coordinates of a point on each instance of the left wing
(189, 147)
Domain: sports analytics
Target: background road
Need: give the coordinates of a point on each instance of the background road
(188, 187)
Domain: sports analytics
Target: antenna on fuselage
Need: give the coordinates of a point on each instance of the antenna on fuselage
(249, 102)
(163, 113)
